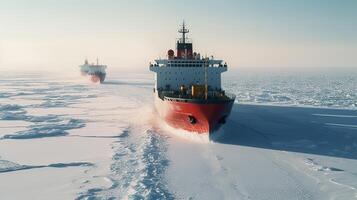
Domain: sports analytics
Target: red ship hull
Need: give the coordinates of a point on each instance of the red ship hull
(201, 118)
(95, 78)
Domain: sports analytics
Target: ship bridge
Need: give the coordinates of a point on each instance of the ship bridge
(189, 63)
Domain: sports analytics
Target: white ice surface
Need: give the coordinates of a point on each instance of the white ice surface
(90, 141)
(268, 152)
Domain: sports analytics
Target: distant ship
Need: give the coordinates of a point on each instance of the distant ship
(187, 92)
(95, 71)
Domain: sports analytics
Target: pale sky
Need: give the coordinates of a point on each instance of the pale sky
(128, 34)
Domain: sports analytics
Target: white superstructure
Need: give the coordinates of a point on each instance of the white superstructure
(187, 68)
(174, 73)
(92, 68)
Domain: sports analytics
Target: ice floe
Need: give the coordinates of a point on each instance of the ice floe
(309, 90)
(47, 130)
(8, 166)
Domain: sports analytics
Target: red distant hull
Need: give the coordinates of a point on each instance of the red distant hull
(95, 78)
(201, 118)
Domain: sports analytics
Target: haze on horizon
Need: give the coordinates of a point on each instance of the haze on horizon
(127, 35)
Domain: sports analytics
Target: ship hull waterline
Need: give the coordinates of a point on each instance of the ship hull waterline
(199, 118)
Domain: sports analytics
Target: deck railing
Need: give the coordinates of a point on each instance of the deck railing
(212, 97)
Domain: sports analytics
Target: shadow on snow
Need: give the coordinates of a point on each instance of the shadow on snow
(328, 132)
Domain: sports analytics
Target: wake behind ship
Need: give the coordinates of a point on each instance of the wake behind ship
(95, 71)
(188, 93)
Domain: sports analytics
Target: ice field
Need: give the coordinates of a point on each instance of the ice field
(288, 137)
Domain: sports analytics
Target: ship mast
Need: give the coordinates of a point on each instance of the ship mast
(183, 30)
(184, 47)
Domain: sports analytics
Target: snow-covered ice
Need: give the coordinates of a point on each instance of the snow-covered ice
(288, 137)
